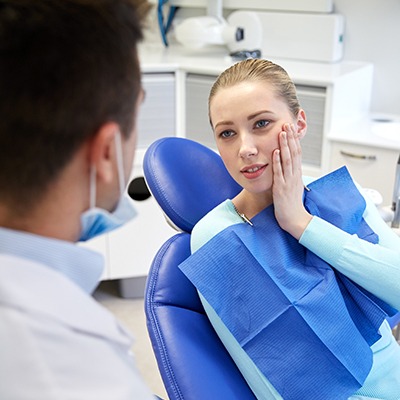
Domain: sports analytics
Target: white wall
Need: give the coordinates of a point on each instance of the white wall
(373, 34)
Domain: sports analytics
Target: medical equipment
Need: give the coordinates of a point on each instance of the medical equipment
(198, 32)
(165, 26)
(396, 197)
(213, 29)
(396, 188)
(396, 218)
(293, 35)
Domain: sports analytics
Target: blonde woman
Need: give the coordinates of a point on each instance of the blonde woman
(258, 126)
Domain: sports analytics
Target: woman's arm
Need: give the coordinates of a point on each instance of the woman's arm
(376, 267)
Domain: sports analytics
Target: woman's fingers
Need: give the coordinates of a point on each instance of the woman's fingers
(288, 150)
(287, 158)
(277, 166)
(293, 154)
(287, 187)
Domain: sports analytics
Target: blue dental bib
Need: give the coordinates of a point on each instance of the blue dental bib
(307, 327)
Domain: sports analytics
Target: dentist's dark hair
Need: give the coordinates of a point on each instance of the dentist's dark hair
(67, 67)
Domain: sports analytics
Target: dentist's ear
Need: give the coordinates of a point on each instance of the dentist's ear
(102, 151)
(301, 124)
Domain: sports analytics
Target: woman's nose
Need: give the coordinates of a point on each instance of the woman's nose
(247, 147)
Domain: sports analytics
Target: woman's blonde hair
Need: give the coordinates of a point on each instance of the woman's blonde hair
(256, 70)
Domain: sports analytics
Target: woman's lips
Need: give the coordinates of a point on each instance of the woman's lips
(253, 171)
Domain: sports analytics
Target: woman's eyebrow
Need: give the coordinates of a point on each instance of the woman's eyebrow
(249, 118)
(223, 123)
(252, 116)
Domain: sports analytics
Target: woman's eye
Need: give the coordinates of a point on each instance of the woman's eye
(262, 124)
(226, 134)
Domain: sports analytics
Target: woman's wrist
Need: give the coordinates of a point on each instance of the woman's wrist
(298, 226)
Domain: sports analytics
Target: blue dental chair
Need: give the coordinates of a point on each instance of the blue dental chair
(187, 180)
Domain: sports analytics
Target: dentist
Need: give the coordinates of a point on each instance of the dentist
(70, 93)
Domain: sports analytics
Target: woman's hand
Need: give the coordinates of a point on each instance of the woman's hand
(288, 188)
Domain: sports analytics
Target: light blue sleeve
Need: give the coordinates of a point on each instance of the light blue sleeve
(376, 267)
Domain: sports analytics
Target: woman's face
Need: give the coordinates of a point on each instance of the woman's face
(247, 119)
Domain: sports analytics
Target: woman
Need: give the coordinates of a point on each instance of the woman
(258, 124)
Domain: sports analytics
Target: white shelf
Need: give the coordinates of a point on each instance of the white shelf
(323, 6)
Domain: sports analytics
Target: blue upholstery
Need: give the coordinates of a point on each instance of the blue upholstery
(187, 180)
(192, 361)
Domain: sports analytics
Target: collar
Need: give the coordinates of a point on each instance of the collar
(82, 266)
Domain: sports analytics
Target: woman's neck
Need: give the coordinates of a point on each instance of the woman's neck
(250, 204)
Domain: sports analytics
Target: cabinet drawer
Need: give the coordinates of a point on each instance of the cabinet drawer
(197, 124)
(157, 116)
(371, 167)
(312, 101)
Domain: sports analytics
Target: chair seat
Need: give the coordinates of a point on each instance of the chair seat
(192, 360)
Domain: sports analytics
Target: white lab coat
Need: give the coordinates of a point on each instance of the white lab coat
(57, 342)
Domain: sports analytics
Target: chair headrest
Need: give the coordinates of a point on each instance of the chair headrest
(187, 180)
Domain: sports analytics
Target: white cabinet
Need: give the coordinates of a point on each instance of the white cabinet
(371, 167)
(313, 100)
(197, 127)
(157, 114)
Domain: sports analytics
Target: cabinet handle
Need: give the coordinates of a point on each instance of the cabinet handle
(358, 156)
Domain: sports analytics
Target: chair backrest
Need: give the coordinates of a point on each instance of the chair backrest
(187, 180)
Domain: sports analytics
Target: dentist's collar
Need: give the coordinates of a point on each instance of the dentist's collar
(83, 266)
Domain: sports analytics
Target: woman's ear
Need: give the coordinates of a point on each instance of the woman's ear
(301, 124)
(102, 151)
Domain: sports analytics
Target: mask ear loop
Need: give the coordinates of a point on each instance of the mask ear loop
(120, 164)
(92, 187)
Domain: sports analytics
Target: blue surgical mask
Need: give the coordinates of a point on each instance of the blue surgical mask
(96, 221)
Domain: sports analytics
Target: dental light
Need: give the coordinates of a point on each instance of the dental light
(241, 31)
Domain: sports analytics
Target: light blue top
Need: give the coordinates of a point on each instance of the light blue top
(375, 267)
(82, 266)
